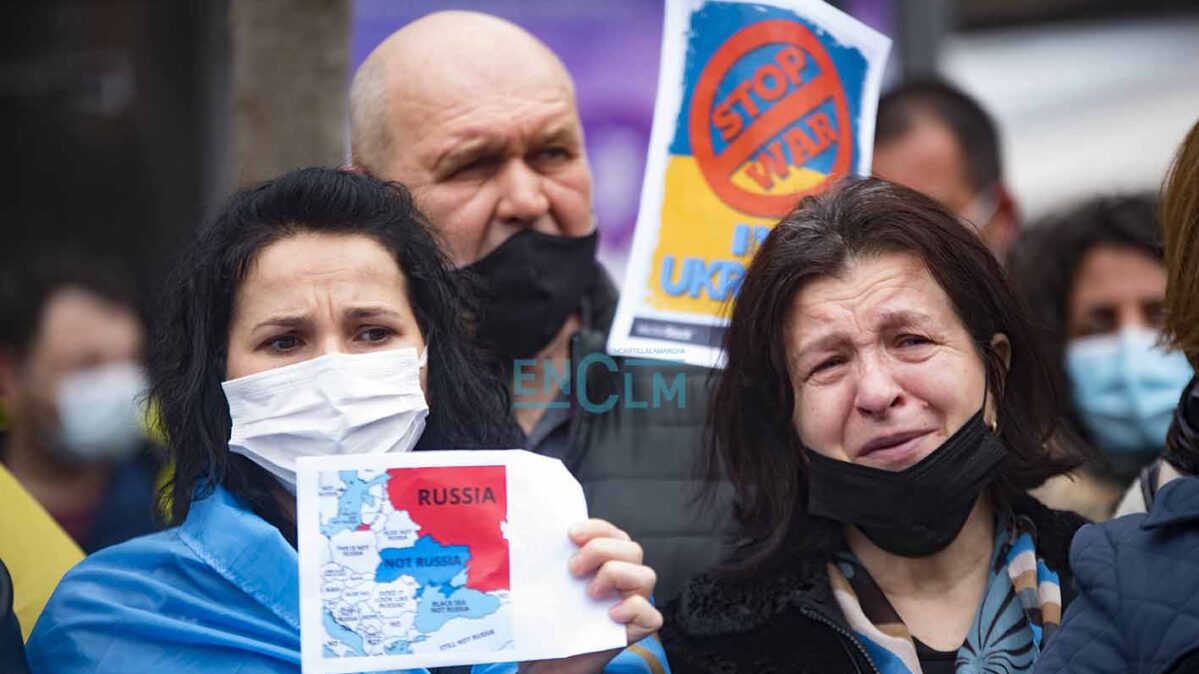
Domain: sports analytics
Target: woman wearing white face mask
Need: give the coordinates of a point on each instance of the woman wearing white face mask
(1095, 280)
(316, 316)
(72, 387)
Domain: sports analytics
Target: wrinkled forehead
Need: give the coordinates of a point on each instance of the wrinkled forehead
(871, 294)
(457, 96)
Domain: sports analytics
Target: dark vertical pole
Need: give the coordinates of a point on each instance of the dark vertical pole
(290, 77)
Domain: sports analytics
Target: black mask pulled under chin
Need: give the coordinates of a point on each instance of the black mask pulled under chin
(915, 512)
(531, 284)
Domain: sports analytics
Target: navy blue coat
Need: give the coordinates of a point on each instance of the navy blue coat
(1137, 608)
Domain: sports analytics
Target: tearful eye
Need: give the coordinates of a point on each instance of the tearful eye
(827, 364)
(912, 340)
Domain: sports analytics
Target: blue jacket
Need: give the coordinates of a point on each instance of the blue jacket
(1138, 580)
(218, 594)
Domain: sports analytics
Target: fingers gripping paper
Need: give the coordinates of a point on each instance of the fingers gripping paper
(441, 558)
(759, 104)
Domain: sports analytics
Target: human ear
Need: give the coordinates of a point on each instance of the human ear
(1002, 347)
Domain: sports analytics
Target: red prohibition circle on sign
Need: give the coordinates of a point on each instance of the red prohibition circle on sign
(719, 169)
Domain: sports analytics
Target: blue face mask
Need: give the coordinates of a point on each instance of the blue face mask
(1126, 387)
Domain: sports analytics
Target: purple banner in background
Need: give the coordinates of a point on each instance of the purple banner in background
(611, 49)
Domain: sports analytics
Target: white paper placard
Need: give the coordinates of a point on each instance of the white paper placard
(430, 559)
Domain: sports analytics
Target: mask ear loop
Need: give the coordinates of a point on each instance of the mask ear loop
(423, 359)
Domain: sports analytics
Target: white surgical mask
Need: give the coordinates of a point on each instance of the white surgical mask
(101, 411)
(335, 404)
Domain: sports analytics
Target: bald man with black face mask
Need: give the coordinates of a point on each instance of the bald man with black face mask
(478, 119)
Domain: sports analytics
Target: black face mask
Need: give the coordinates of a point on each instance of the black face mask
(532, 283)
(915, 512)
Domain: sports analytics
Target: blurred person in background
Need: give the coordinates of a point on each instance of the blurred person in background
(1180, 224)
(317, 276)
(935, 139)
(72, 387)
(1137, 610)
(478, 118)
(1096, 283)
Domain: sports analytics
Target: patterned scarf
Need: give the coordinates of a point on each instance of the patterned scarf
(1021, 608)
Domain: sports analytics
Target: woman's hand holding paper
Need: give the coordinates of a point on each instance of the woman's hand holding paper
(615, 561)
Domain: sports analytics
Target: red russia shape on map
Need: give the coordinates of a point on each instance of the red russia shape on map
(460, 505)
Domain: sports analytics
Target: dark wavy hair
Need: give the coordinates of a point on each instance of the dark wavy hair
(1043, 266)
(750, 433)
(468, 404)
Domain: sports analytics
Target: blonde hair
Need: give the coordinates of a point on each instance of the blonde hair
(1180, 233)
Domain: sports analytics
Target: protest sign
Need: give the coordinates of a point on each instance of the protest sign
(429, 559)
(759, 104)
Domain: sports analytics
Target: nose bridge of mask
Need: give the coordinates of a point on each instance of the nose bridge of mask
(341, 377)
(102, 384)
(334, 404)
(383, 365)
(1132, 343)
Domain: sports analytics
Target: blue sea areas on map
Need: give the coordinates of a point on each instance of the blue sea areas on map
(399, 648)
(342, 634)
(436, 609)
(438, 583)
(351, 502)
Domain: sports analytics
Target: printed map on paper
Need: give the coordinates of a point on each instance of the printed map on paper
(414, 561)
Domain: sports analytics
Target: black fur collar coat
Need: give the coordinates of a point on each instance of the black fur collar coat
(787, 621)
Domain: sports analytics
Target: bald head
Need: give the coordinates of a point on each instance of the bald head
(477, 118)
(445, 58)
